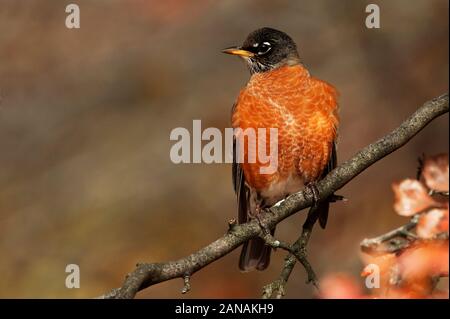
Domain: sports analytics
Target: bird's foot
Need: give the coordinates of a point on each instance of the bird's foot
(257, 215)
(315, 192)
(337, 198)
(333, 198)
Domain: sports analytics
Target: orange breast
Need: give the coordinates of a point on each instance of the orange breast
(303, 110)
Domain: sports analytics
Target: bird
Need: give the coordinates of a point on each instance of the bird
(280, 94)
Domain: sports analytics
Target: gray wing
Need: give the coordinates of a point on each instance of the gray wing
(324, 206)
(241, 190)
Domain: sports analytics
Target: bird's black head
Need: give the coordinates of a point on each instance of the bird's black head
(266, 49)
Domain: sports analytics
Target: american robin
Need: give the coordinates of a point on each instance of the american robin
(281, 94)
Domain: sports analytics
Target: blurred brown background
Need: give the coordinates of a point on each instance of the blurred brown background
(85, 117)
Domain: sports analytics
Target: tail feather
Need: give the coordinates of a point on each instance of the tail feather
(255, 255)
(322, 211)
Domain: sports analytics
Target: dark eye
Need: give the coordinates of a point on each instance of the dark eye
(264, 47)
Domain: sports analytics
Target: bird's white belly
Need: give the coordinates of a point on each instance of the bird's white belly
(281, 189)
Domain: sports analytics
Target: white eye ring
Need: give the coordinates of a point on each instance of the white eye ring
(267, 43)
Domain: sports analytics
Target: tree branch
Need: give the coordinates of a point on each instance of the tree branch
(146, 274)
(397, 239)
(297, 251)
(277, 288)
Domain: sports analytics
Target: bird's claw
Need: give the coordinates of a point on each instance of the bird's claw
(315, 192)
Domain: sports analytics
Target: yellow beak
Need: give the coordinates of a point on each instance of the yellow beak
(238, 51)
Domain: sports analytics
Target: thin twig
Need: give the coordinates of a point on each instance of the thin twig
(187, 284)
(433, 192)
(398, 240)
(277, 288)
(378, 245)
(298, 251)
